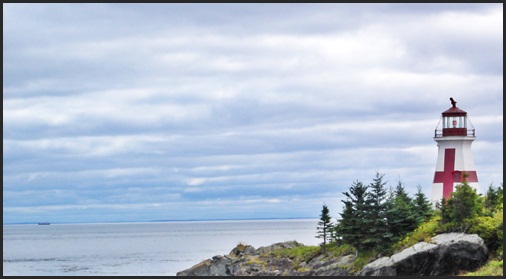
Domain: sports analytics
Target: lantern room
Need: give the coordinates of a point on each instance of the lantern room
(454, 123)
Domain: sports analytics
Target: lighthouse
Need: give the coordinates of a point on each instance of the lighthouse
(454, 161)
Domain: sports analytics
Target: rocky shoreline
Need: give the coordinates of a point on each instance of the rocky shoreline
(446, 254)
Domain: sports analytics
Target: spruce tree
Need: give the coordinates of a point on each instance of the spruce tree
(376, 217)
(324, 226)
(400, 214)
(344, 229)
(352, 227)
(400, 193)
(422, 206)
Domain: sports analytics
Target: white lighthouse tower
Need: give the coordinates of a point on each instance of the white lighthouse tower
(455, 160)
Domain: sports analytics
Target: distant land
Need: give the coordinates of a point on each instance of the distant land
(168, 220)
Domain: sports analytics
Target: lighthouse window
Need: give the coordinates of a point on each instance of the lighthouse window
(456, 177)
(454, 122)
(451, 122)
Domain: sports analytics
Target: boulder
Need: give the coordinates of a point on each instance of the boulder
(459, 252)
(448, 254)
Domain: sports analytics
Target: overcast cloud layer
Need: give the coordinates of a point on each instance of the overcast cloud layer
(137, 112)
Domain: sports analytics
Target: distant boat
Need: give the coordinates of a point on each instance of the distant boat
(44, 223)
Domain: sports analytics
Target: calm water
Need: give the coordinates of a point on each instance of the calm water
(113, 249)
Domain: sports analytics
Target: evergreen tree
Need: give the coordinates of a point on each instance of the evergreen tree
(441, 205)
(376, 215)
(400, 193)
(493, 199)
(422, 206)
(345, 227)
(400, 214)
(464, 204)
(352, 227)
(324, 226)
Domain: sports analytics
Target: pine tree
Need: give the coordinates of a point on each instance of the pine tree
(378, 231)
(400, 193)
(344, 228)
(324, 226)
(422, 206)
(352, 228)
(400, 214)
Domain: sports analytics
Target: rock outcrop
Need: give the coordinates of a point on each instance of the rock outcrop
(245, 260)
(447, 254)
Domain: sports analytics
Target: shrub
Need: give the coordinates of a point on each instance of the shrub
(490, 229)
(424, 232)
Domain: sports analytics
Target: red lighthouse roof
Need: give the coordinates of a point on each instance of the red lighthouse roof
(454, 111)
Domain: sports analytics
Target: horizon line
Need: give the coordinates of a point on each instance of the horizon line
(165, 220)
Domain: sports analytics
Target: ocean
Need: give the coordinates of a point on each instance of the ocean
(137, 249)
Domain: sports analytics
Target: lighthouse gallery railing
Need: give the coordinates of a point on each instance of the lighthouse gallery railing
(439, 133)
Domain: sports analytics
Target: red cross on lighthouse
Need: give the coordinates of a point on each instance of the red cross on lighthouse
(449, 175)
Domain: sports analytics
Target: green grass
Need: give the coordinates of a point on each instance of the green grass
(334, 251)
(492, 268)
(298, 254)
(363, 258)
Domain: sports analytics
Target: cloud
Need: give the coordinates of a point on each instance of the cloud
(195, 111)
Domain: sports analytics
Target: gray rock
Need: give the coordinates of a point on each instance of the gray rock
(240, 250)
(217, 266)
(200, 269)
(447, 255)
(322, 265)
(276, 246)
(459, 252)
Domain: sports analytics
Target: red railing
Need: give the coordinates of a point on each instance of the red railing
(439, 133)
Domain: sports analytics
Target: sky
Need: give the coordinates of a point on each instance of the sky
(142, 112)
